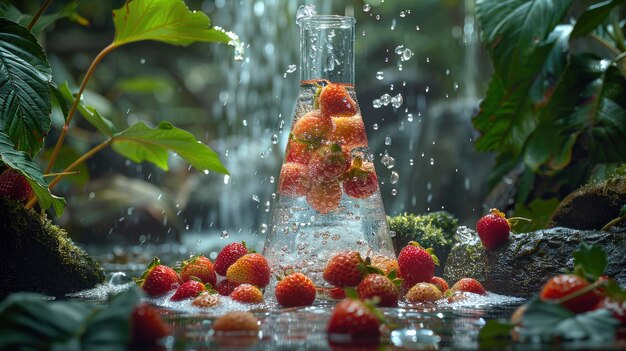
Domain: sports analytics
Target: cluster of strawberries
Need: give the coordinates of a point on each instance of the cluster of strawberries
(318, 161)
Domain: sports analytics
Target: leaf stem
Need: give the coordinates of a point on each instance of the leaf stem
(617, 32)
(581, 292)
(613, 222)
(72, 111)
(61, 173)
(40, 12)
(606, 44)
(67, 171)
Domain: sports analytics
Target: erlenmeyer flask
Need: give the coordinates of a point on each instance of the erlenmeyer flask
(328, 198)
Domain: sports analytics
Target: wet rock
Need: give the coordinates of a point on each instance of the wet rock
(435, 229)
(38, 256)
(521, 267)
(592, 206)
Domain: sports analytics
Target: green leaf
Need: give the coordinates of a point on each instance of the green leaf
(539, 210)
(25, 74)
(92, 116)
(513, 29)
(168, 21)
(59, 99)
(596, 120)
(142, 143)
(22, 162)
(622, 212)
(11, 12)
(144, 85)
(551, 322)
(591, 260)
(593, 17)
(495, 333)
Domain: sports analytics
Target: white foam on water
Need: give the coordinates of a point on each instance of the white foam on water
(226, 304)
(101, 292)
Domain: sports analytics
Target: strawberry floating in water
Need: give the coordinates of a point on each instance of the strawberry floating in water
(328, 163)
(324, 197)
(295, 290)
(293, 180)
(335, 101)
(349, 132)
(312, 128)
(360, 182)
(247, 293)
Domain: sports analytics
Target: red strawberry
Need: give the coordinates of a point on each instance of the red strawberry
(564, 284)
(294, 290)
(335, 101)
(146, 325)
(416, 264)
(382, 287)
(225, 287)
(423, 292)
(328, 163)
(188, 290)
(312, 128)
(344, 269)
(352, 321)
(617, 308)
(298, 151)
(158, 279)
(337, 293)
(470, 285)
(349, 132)
(246, 293)
(14, 186)
(493, 229)
(206, 299)
(360, 182)
(293, 180)
(324, 197)
(228, 255)
(199, 267)
(439, 283)
(251, 269)
(237, 321)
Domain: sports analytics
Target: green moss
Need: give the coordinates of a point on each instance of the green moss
(434, 229)
(39, 256)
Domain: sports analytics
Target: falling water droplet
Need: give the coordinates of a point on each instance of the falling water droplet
(427, 88)
(402, 14)
(417, 27)
(406, 54)
(375, 126)
(396, 101)
(367, 8)
(399, 49)
(393, 178)
(245, 123)
(376, 103)
(274, 139)
(255, 198)
(385, 99)
(432, 161)
(142, 61)
(377, 17)
(394, 192)
(291, 68)
(411, 162)
(226, 179)
(263, 228)
(409, 117)
(380, 75)
(224, 234)
(387, 140)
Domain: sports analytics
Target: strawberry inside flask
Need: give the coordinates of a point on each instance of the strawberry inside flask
(327, 198)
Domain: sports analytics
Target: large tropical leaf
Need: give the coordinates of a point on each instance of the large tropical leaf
(597, 120)
(594, 16)
(169, 21)
(141, 143)
(104, 125)
(8, 11)
(21, 161)
(25, 102)
(513, 29)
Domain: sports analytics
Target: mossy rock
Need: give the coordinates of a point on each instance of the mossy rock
(528, 260)
(40, 257)
(435, 229)
(592, 206)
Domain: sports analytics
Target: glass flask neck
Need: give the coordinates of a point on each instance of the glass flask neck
(327, 48)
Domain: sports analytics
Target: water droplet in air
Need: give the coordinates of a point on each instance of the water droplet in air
(226, 179)
(402, 14)
(432, 161)
(387, 140)
(399, 49)
(245, 123)
(394, 192)
(255, 198)
(393, 179)
(427, 88)
(417, 27)
(375, 126)
(274, 139)
(380, 75)
(410, 162)
(376, 103)
(409, 117)
(263, 228)
(377, 17)
(272, 179)
(224, 234)
(142, 61)
(396, 101)
(406, 54)
(385, 99)
(291, 68)
(367, 8)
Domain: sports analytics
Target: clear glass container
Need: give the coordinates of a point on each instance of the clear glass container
(327, 199)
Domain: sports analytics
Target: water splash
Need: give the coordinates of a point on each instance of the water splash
(305, 11)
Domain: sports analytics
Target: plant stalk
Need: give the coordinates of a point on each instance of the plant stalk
(613, 222)
(581, 292)
(67, 171)
(40, 12)
(72, 111)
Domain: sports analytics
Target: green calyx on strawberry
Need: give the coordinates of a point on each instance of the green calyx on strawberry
(158, 279)
(416, 264)
(354, 321)
(360, 181)
(328, 163)
(14, 186)
(347, 269)
(494, 228)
